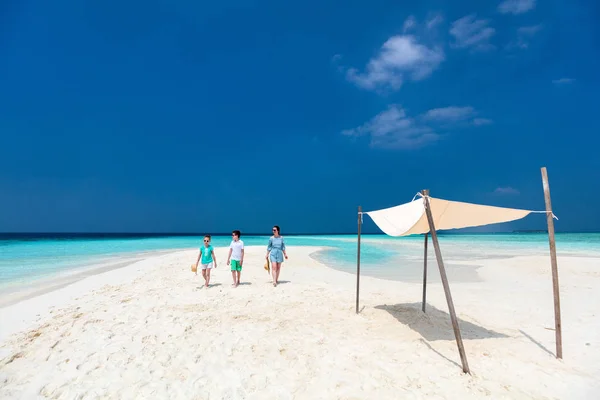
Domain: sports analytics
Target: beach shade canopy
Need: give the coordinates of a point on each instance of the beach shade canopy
(426, 215)
(411, 219)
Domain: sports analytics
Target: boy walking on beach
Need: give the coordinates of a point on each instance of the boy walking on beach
(236, 257)
(208, 258)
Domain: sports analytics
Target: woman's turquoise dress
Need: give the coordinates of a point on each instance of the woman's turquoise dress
(276, 247)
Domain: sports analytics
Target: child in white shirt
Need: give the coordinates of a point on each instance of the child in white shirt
(236, 257)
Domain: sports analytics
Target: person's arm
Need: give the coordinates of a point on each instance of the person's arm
(283, 248)
(198, 259)
(269, 247)
(242, 260)
(229, 256)
(214, 258)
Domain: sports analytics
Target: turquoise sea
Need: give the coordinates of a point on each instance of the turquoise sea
(26, 259)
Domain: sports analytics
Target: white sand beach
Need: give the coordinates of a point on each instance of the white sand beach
(151, 331)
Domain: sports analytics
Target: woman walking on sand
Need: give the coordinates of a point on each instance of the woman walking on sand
(276, 253)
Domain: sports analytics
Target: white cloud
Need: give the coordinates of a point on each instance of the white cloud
(434, 21)
(563, 81)
(453, 115)
(449, 114)
(401, 57)
(482, 121)
(516, 6)
(507, 191)
(472, 32)
(409, 24)
(392, 128)
(520, 43)
(524, 34)
(529, 30)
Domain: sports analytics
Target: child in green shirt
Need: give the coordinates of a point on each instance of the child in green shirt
(208, 258)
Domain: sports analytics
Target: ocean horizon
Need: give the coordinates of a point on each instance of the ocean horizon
(59, 234)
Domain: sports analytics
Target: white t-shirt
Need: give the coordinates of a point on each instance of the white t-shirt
(236, 250)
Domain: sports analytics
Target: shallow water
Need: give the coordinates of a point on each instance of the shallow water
(24, 259)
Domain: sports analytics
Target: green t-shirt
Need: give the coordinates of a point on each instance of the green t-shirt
(206, 252)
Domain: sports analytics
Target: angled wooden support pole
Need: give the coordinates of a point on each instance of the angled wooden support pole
(554, 263)
(358, 258)
(440, 261)
(425, 193)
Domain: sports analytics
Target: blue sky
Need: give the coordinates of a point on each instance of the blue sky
(187, 116)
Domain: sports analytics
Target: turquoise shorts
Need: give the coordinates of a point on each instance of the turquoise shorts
(236, 265)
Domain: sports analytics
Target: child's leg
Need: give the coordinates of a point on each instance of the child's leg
(204, 274)
(233, 275)
(207, 278)
(234, 267)
(239, 273)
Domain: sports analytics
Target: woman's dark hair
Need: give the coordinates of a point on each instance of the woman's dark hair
(278, 230)
(237, 233)
(207, 236)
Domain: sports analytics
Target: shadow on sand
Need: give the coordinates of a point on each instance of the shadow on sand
(541, 346)
(270, 282)
(209, 286)
(436, 324)
(426, 343)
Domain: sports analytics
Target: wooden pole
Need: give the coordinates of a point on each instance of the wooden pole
(425, 193)
(555, 286)
(425, 275)
(440, 261)
(358, 258)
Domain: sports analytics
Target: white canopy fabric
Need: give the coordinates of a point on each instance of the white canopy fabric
(411, 219)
